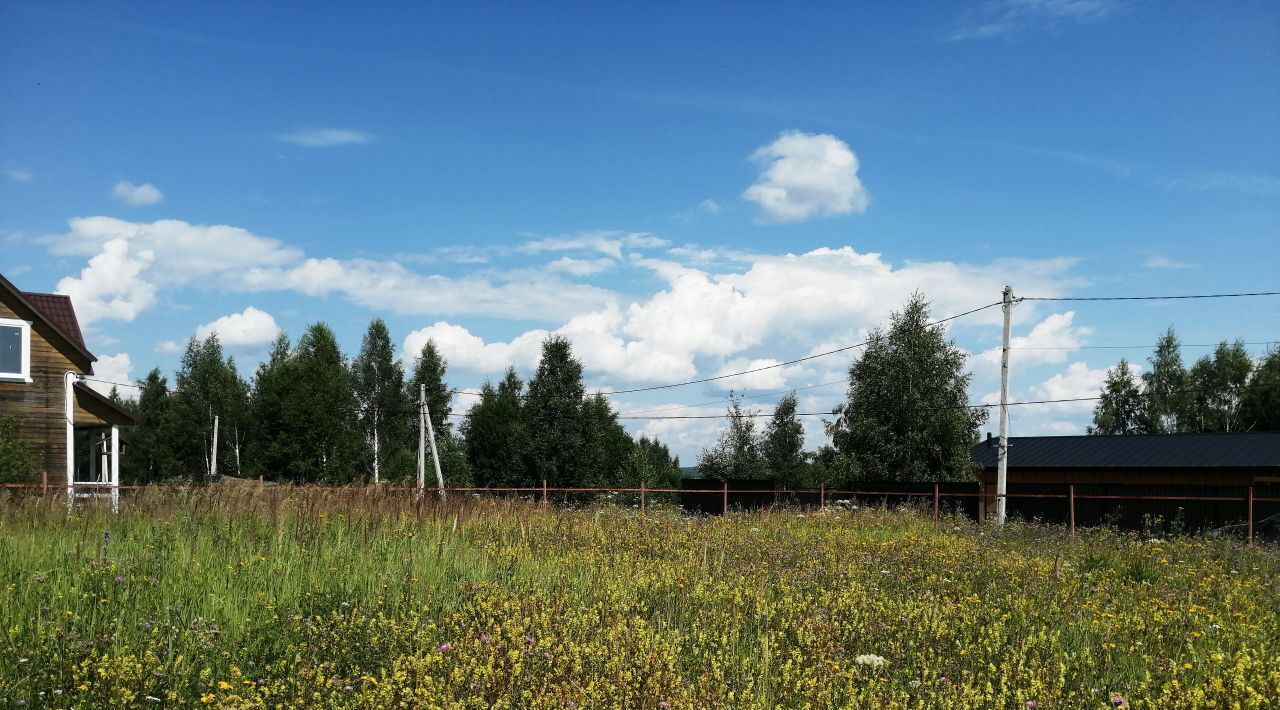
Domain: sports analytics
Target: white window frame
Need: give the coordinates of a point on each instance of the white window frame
(24, 374)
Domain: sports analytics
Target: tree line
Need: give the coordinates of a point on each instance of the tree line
(312, 415)
(906, 417)
(1226, 390)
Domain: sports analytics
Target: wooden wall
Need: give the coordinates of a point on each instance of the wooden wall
(39, 405)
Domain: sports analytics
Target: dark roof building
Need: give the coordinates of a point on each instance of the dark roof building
(1245, 453)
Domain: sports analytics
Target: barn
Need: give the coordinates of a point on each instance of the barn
(72, 430)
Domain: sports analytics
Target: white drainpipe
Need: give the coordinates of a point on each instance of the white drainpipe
(69, 380)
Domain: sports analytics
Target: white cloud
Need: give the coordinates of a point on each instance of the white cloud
(111, 287)
(326, 137)
(1077, 382)
(703, 321)
(1050, 340)
(1003, 18)
(113, 368)
(710, 205)
(248, 329)
(18, 174)
(806, 175)
(137, 195)
(168, 347)
(1157, 261)
(606, 242)
(581, 267)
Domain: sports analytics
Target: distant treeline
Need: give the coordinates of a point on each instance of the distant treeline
(312, 415)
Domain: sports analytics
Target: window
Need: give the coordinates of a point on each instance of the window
(15, 350)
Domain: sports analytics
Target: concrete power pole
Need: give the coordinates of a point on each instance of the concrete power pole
(1002, 460)
(213, 457)
(422, 438)
(431, 434)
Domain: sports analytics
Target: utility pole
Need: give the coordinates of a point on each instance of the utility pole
(375, 447)
(1002, 455)
(422, 438)
(213, 458)
(431, 433)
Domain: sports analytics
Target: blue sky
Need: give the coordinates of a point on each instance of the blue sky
(684, 191)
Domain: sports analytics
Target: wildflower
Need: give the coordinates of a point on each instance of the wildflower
(546, 655)
(664, 705)
(119, 579)
(224, 685)
(1032, 704)
(153, 699)
(443, 647)
(484, 638)
(1119, 701)
(870, 659)
(347, 688)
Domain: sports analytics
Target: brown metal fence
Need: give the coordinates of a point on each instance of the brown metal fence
(934, 496)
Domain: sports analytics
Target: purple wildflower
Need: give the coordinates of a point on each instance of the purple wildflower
(1119, 701)
(443, 647)
(119, 579)
(839, 649)
(484, 638)
(1031, 704)
(664, 705)
(546, 655)
(347, 688)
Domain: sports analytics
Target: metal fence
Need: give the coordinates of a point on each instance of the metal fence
(1068, 504)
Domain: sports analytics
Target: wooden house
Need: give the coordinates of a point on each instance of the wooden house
(73, 430)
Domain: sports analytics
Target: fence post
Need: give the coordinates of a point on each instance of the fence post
(822, 495)
(45, 476)
(544, 492)
(1071, 507)
(936, 496)
(259, 478)
(1249, 505)
(642, 497)
(726, 498)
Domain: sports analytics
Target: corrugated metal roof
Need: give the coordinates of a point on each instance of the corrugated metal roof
(59, 311)
(1229, 450)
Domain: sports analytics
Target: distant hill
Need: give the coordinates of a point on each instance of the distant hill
(689, 472)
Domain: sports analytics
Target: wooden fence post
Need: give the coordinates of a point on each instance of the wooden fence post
(822, 495)
(1071, 507)
(936, 496)
(726, 498)
(1249, 505)
(45, 476)
(544, 492)
(642, 497)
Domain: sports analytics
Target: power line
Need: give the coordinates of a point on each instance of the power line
(1148, 298)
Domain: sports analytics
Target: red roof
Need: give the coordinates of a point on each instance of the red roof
(57, 309)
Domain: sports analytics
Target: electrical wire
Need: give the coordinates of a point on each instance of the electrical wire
(1147, 298)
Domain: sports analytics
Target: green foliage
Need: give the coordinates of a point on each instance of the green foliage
(1166, 404)
(153, 441)
(1260, 409)
(737, 453)
(305, 412)
(662, 469)
(907, 416)
(207, 385)
(783, 444)
(385, 409)
(553, 417)
(494, 434)
(605, 444)
(17, 462)
(1120, 411)
(429, 370)
(1216, 384)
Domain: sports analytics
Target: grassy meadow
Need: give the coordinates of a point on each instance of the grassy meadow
(346, 598)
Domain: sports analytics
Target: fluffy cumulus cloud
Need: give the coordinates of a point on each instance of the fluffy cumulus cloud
(1050, 341)
(130, 262)
(703, 321)
(250, 328)
(111, 287)
(326, 137)
(113, 368)
(137, 195)
(806, 175)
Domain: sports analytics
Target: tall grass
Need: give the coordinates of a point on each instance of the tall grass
(364, 598)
